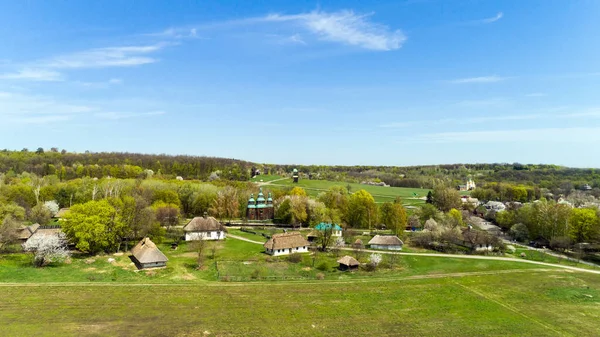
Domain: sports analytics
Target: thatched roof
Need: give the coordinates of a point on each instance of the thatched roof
(61, 213)
(313, 234)
(147, 252)
(386, 240)
(203, 224)
(286, 240)
(26, 232)
(348, 261)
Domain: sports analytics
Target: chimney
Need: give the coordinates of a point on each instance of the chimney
(205, 215)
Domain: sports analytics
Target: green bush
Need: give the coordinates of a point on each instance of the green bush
(294, 258)
(323, 266)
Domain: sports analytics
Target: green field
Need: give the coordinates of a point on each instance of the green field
(381, 194)
(514, 303)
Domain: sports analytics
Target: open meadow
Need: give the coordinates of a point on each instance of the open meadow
(380, 193)
(526, 302)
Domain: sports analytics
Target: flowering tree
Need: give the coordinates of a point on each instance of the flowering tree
(47, 249)
(375, 259)
(52, 206)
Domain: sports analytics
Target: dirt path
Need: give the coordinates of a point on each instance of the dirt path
(244, 239)
(473, 257)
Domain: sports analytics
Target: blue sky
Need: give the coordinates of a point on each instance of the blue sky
(339, 82)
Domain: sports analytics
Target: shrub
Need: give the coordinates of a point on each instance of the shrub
(255, 274)
(323, 266)
(294, 258)
(320, 276)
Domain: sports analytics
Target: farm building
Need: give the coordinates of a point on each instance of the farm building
(61, 213)
(204, 228)
(336, 230)
(286, 243)
(388, 242)
(260, 209)
(25, 233)
(348, 262)
(146, 255)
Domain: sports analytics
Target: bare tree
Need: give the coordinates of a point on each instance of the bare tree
(8, 231)
(325, 236)
(199, 247)
(338, 244)
(47, 249)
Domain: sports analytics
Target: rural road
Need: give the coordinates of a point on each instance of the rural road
(473, 257)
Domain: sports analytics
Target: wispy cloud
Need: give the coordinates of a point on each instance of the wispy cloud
(42, 75)
(559, 135)
(589, 113)
(100, 85)
(344, 27)
(23, 108)
(123, 56)
(481, 79)
(122, 115)
(492, 19)
(176, 33)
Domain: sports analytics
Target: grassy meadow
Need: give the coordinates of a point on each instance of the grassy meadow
(381, 194)
(514, 303)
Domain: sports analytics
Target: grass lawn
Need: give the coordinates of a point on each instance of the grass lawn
(535, 303)
(265, 178)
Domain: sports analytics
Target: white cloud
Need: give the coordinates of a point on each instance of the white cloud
(560, 135)
(43, 75)
(481, 79)
(124, 56)
(492, 19)
(344, 27)
(115, 81)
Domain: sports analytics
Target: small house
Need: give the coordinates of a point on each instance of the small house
(348, 263)
(146, 255)
(387, 242)
(25, 233)
(358, 244)
(286, 243)
(61, 213)
(204, 228)
(336, 230)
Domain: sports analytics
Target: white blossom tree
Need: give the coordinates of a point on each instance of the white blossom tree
(52, 206)
(375, 259)
(47, 249)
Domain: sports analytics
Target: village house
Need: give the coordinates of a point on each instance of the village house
(25, 233)
(286, 243)
(387, 242)
(495, 206)
(204, 228)
(146, 255)
(347, 263)
(336, 230)
(46, 230)
(61, 213)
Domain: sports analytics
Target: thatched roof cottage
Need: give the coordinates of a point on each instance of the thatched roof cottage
(286, 243)
(204, 228)
(388, 242)
(25, 233)
(348, 262)
(146, 255)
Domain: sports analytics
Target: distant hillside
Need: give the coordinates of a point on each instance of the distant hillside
(68, 165)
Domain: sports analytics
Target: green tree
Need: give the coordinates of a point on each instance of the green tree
(284, 212)
(299, 191)
(362, 210)
(519, 232)
(8, 231)
(455, 218)
(583, 224)
(445, 198)
(40, 214)
(428, 211)
(393, 216)
(94, 226)
(226, 204)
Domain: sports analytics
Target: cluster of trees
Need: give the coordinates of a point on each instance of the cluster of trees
(67, 165)
(507, 192)
(552, 221)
